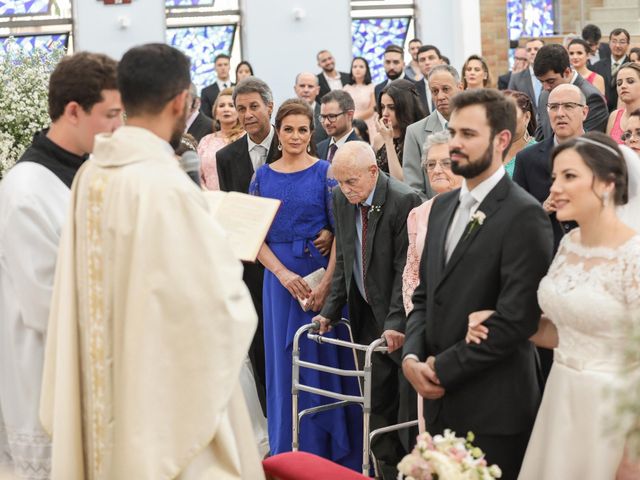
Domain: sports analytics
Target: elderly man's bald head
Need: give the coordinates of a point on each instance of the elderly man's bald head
(354, 167)
(307, 87)
(566, 91)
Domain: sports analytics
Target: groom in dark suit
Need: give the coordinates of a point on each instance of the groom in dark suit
(370, 211)
(489, 245)
(236, 164)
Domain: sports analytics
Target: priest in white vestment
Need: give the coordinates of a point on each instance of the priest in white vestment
(34, 198)
(150, 320)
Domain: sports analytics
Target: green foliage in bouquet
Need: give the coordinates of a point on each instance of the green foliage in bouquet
(24, 84)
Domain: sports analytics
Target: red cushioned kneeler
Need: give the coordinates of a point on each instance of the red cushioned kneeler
(306, 466)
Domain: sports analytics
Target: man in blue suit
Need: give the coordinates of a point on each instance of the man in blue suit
(336, 115)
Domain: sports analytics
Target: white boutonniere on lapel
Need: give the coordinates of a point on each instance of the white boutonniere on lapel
(374, 209)
(477, 219)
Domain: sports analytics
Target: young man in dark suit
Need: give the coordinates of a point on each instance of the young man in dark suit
(429, 56)
(329, 78)
(488, 246)
(608, 66)
(336, 115)
(552, 68)
(370, 211)
(236, 164)
(209, 94)
(198, 124)
(393, 67)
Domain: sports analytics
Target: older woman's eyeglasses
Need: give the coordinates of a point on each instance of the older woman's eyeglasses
(631, 136)
(445, 163)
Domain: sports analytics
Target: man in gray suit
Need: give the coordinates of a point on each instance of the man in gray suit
(552, 68)
(444, 83)
(525, 81)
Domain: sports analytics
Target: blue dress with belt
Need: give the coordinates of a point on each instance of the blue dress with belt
(305, 210)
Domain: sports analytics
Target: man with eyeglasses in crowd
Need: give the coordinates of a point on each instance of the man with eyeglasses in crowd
(525, 81)
(336, 116)
(619, 40)
(520, 63)
(552, 68)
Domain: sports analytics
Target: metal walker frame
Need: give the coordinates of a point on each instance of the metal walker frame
(364, 381)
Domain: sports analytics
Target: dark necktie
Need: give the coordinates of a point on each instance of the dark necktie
(364, 215)
(332, 152)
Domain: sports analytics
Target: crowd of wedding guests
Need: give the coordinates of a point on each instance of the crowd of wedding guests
(476, 230)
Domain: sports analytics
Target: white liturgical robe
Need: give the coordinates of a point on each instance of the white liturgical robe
(150, 324)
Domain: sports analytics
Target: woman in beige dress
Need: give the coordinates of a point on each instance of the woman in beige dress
(362, 91)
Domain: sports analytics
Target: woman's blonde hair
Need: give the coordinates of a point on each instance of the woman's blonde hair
(236, 131)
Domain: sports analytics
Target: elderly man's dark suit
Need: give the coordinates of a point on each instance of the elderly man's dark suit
(385, 254)
(235, 171)
(491, 388)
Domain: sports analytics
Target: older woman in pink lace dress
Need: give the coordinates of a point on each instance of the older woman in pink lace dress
(227, 129)
(438, 167)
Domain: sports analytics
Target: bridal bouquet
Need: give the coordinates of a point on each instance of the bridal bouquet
(24, 85)
(446, 457)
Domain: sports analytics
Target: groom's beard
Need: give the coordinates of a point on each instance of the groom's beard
(472, 169)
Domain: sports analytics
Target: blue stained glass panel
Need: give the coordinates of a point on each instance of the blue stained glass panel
(23, 7)
(36, 42)
(515, 23)
(188, 3)
(202, 44)
(370, 36)
(538, 18)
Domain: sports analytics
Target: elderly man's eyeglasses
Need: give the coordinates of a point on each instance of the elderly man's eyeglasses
(331, 117)
(622, 43)
(445, 163)
(568, 106)
(630, 136)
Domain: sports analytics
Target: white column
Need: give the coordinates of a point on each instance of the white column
(453, 26)
(282, 37)
(114, 29)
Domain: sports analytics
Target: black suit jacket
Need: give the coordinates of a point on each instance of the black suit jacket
(234, 166)
(597, 117)
(201, 126)
(491, 387)
(324, 85)
(533, 173)
(503, 81)
(421, 88)
(208, 97)
(323, 146)
(603, 67)
(385, 251)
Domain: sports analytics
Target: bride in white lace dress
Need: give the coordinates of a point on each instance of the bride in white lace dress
(589, 297)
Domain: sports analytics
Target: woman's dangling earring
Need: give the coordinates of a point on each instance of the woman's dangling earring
(308, 148)
(280, 146)
(605, 199)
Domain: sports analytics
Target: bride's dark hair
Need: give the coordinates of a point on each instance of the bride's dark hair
(603, 157)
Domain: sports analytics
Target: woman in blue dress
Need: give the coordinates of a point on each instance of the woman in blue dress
(304, 185)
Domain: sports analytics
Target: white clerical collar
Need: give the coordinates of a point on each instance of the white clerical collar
(482, 190)
(342, 140)
(266, 143)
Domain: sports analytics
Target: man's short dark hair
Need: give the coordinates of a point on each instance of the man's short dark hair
(80, 78)
(426, 48)
(393, 49)
(414, 40)
(221, 55)
(344, 100)
(618, 31)
(150, 76)
(551, 58)
(534, 40)
(500, 111)
(591, 33)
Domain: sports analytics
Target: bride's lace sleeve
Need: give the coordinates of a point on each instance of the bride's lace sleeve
(328, 196)
(632, 277)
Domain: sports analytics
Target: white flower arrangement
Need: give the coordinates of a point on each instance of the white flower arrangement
(24, 86)
(477, 219)
(446, 457)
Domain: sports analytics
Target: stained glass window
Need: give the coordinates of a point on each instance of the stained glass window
(24, 7)
(36, 42)
(529, 18)
(370, 36)
(188, 3)
(202, 44)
